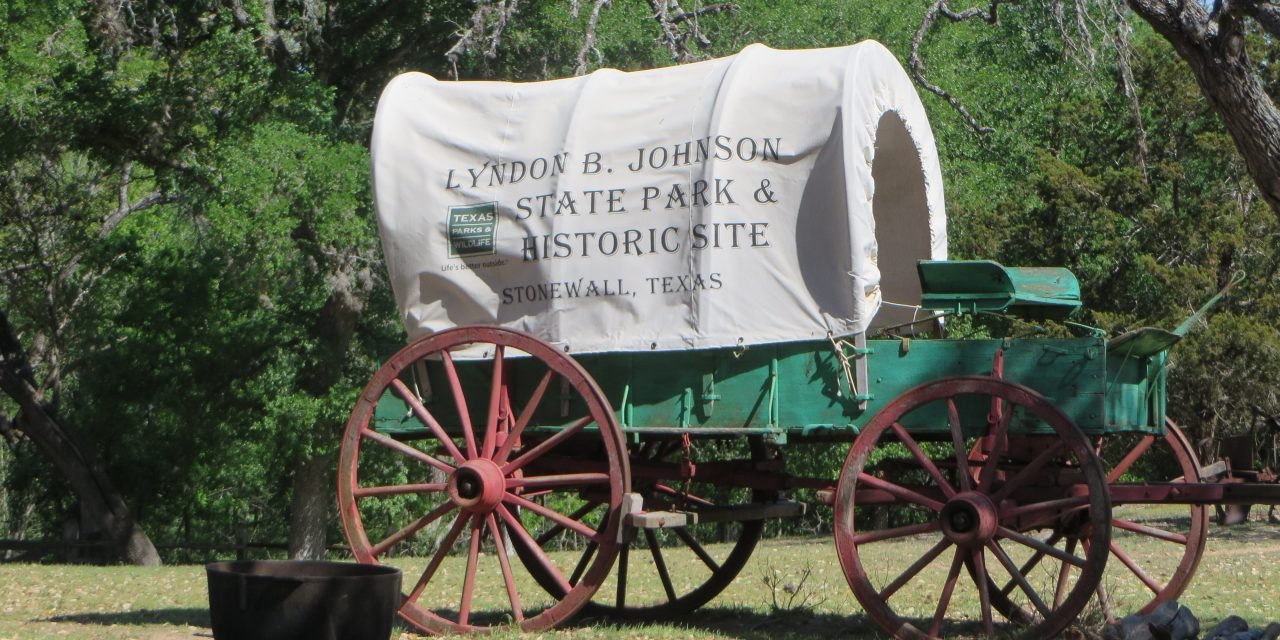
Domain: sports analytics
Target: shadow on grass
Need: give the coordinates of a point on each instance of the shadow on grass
(1252, 532)
(188, 617)
(750, 624)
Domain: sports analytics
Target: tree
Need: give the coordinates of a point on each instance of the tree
(1213, 42)
(149, 97)
(194, 294)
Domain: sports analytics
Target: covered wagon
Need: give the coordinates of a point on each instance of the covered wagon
(629, 295)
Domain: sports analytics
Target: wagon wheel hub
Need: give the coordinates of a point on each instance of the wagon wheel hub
(477, 486)
(969, 518)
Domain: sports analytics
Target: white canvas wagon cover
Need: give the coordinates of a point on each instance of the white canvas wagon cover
(770, 196)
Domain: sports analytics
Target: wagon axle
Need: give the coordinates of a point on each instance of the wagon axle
(969, 519)
(478, 486)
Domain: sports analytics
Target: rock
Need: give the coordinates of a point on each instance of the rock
(1136, 627)
(1271, 632)
(1250, 634)
(1184, 626)
(1162, 616)
(1140, 632)
(1229, 626)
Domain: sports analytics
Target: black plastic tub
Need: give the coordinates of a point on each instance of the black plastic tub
(286, 599)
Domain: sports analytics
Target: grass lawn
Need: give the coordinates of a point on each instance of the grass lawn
(1240, 573)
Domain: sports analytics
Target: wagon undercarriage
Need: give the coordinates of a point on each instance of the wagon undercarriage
(523, 452)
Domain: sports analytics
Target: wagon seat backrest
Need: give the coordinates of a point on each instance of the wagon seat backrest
(771, 196)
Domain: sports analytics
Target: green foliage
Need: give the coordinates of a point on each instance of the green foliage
(188, 342)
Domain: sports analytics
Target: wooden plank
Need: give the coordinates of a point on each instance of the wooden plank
(735, 513)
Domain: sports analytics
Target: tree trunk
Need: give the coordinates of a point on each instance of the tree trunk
(313, 492)
(104, 515)
(309, 509)
(1215, 50)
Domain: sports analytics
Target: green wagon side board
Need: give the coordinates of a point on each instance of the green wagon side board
(799, 390)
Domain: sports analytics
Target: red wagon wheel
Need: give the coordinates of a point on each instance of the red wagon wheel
(459, 475)
(1155, 548)
(686, 564)
(979, 498)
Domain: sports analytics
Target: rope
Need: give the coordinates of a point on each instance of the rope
(915, 309)
(846, 364)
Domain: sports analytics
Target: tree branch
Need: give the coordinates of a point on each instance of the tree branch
(589, 37)
(273, 44)
(670, 34)
(239, 17)
(13, 358)
(1267, 15)
(1215, 53)
(677, 38)
(1123, 52)
(940, 8)
(488, 21)
(711, 9)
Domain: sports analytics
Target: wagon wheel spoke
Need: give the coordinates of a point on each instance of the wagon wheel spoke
(1159, 534)
(460, 401)
(1040, 545)
(697, 549)
(404, 449)
(495, 402)
(1060, 505)
(1133, 567)
(587, 554)
(1105, 601)
(526, 415)
(878, 535)
(450, 538)
(555, 529)
(538, 555)
(1064, 575)
(1034, 560)
(469, 578)
(552, 515)
(540, 449)
(961, 451)
(424, 416)
(944, 600)
(1133, 456)
(899, 491)
(915, 568)
(1029, 472)
(414, 527)
(1020, 579)
(984, 594)
(508, 578)
(660, 564)
(1101, 590)
(398, 490)
(924, 460)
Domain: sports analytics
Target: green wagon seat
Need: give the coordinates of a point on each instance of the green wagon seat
(972, 286)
